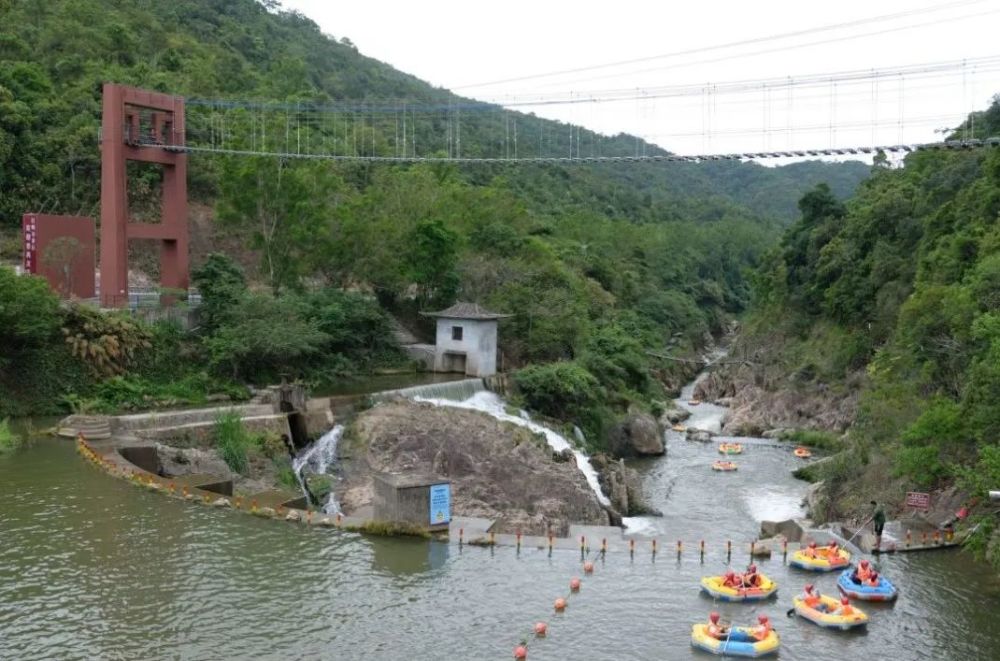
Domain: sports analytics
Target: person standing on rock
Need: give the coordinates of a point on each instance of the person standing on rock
(878, 522)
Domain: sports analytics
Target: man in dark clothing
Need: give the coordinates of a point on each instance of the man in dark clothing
(878, 520)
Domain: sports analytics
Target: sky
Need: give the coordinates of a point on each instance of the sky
(460, 45)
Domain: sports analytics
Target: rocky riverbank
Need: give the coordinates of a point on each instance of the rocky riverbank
(762, 395)
(498, 470)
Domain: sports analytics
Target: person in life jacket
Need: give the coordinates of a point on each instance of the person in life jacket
(715, 629)
(873, 580)
(862, 573)
(812, 599)
(730, 579)
(811, 550)
(845, 607)
(751, 578)
(763, 628)
(831, 549)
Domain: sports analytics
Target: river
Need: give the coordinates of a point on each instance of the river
(94, 568)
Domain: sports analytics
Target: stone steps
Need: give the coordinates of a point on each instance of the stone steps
(92, 427)
(162, 419)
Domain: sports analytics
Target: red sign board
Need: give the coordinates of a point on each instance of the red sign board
(29, 223)
(917, 500)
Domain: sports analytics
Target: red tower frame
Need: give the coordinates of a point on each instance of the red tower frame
(138, 125)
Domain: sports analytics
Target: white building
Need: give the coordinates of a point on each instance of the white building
(466, 340)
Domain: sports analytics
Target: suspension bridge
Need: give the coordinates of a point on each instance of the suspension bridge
(864, 112)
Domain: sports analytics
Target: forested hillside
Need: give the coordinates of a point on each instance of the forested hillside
(600, 265)
(897, 293)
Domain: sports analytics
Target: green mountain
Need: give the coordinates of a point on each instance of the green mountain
(602, 265)
(896, 295)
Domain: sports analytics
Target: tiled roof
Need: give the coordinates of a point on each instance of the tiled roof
(462, 310)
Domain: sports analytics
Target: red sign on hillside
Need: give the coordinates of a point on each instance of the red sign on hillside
(917, 500)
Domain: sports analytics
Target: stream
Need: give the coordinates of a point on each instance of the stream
(93, 568)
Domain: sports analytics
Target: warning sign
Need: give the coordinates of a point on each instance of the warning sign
(917, 500)
(440, 496)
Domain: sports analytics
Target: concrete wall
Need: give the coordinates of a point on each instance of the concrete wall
(478, 345)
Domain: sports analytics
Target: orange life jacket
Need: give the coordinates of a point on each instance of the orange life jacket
(714, 630)
(761, 631)
(812, 601)
(864, 573)
(845, 609)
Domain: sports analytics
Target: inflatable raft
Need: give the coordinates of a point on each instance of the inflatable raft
(694, 402)
(884, 591)
(826, 615)
(730, 448)
(714, 587)
(739, 642)
(679, 428)
(823, 561)
(723, 466)
(802, 453)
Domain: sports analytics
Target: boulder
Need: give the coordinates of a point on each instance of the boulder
(790, 529)
(563, 455)
(638, 435)
(700, 435)
(763, 548)
(674, 415)
(816, 500)
(622, 485)
(293, 515)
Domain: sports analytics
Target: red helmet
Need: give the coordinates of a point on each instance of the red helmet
(730, 574)
(812, 545)
(809, 587)
(752, 568)
(714, 617)
(762, 618)
(874, 575)
(864, 563)
(845, 601)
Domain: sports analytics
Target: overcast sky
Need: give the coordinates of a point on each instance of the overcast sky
(461, 44)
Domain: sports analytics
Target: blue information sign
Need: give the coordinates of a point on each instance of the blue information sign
(440, 504)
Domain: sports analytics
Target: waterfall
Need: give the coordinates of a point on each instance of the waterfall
(318, 458)
(459, 390)
(490, 403)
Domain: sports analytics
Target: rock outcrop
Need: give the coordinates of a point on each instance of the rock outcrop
(763, 398)
(622, 485)
(673, 416)
(699, 435)
(497, 470)
(638, 435)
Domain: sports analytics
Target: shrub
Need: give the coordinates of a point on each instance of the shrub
(561, 390)
(233, 441)
(9, 441)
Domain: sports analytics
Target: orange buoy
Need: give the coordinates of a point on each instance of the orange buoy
(541, 629)
(574, 584)
(588, 567)
(560, 604)
(520, 652)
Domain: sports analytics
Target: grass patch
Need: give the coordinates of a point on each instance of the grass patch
(815, 439)
(233, 441)
(9, 441)
(286, 477)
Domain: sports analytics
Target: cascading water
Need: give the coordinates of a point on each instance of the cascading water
(318, 458)
(490, 403)
(456, 391)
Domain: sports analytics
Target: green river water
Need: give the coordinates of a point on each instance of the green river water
(92, 567)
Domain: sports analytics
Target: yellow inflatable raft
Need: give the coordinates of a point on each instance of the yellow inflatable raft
(739, 642)
(714, 586)
(730, 448)
(802, 453)
(827, 614)
(723, 466)
(823, 560)
(679, 428)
